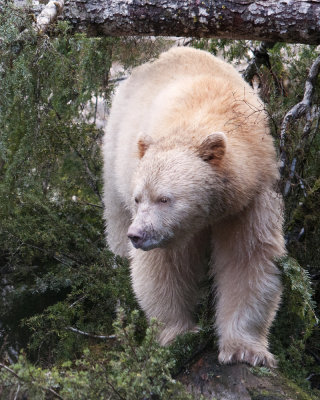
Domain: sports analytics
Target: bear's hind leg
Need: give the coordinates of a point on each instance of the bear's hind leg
(248, 287)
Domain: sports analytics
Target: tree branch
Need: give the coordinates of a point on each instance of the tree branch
(272, 20)
(70, 328)
(303, 108)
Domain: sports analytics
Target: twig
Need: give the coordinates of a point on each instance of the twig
(17, 392)
(77, 301)
(85, 203)
(92, 205)
(49, 14)
(116, 80)
(23, 380)
(115, 390)
(291, 175)
(297, 111)
(10, 370)
(303, 188)
(75, 330)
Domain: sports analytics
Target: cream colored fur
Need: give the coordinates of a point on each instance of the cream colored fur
(200, 183)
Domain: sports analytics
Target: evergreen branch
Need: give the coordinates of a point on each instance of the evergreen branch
(46, 252)
(91, 179)
(33, 382)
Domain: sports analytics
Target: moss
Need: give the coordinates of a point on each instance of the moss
(283, 390)
(261, 371)
(265, 395)
(296, 392)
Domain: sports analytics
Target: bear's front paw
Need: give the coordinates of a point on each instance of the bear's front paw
(247, 355)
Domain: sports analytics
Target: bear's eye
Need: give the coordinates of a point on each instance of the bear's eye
(136, 200)
(163, 199)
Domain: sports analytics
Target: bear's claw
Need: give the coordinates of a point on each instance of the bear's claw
(249, 356)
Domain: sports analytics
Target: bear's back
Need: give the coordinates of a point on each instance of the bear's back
(184, 61)
(185, 88)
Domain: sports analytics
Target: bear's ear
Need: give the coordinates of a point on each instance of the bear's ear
(213, 148)
(143, 144)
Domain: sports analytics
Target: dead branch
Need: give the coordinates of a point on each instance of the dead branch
(303, 108)
(79, 332)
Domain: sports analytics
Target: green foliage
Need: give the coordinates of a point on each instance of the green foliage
(89, 306)
(261, 371)
(125, 369)
(295, 323)
(50, 191)
(231, 50)
(299, 293)
(55, 269)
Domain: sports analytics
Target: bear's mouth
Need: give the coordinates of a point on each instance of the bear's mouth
(147, 244)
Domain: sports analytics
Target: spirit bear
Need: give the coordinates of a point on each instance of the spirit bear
(189, 177)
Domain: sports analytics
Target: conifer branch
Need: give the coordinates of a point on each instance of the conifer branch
(23, 380)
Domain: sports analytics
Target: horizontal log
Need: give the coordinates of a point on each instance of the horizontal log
(275, 20)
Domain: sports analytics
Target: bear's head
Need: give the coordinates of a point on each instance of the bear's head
(177, 189)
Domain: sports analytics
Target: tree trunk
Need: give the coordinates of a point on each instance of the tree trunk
(269, 20)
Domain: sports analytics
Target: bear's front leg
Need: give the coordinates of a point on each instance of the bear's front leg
(166, 283)
(248, 286)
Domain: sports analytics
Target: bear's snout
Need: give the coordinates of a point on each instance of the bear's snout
(137, 237)
(144, 239)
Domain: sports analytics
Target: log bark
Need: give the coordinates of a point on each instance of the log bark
(268, 20)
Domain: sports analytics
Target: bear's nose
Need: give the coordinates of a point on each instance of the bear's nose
(134, 238)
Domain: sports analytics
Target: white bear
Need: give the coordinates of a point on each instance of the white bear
(190, 171)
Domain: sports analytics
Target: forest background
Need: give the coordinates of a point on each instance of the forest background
(70, 327)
